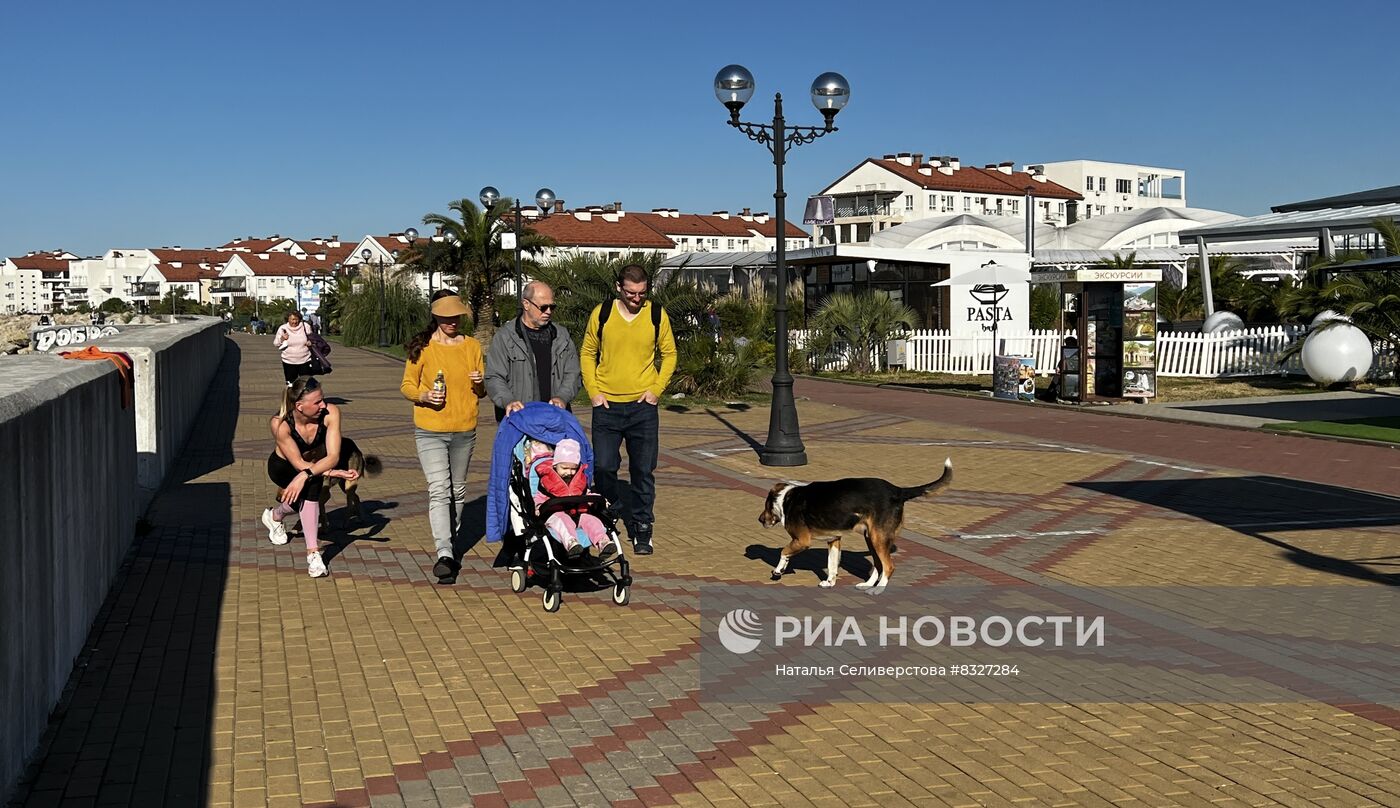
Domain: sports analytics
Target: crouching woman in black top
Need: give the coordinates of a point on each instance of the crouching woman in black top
(308, 450)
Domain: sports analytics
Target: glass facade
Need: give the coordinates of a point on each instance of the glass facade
(910, 284)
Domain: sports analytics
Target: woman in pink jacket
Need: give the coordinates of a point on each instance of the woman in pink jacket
(293, 340)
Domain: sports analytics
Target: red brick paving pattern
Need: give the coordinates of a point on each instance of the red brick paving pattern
(193, 689)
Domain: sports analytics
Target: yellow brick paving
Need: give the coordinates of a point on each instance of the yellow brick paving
(341, 690)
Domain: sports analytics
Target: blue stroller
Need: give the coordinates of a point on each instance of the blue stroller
(531, 553)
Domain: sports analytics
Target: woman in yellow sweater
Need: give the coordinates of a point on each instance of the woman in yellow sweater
(444, 418)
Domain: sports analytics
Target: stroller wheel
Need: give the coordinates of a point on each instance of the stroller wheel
(622, 594)
(552, 599)
(517, 580)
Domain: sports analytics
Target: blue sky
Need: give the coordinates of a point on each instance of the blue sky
(158, 123)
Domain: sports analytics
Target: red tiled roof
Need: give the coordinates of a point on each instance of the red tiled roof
(684, 224)
(200, 256)
(734, 226)
(334, 255)
(973, 180)
(710, 225)
(770, 229)
(256, 245)
(628, 231)
(284, 264)
(43, 263)
(186, 273)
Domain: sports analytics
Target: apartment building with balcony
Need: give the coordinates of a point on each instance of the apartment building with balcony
(884, 192)
(1110, 188)
(36, 282)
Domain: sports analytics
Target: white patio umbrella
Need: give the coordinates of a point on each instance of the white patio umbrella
(990, 284)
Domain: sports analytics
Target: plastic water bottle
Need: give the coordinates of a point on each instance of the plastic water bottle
(440, 386)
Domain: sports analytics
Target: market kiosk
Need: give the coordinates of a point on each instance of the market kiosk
(1110, 316)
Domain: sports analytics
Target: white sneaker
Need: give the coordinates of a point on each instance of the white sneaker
(276, 532)
(315, 567)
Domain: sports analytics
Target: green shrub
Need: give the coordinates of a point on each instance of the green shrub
(405, 313)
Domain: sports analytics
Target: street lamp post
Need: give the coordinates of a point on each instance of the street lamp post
(734, 85)
(544, 200)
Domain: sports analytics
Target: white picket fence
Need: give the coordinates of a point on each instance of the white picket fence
(1248, 352)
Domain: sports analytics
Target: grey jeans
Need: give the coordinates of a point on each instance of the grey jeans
(445, 457)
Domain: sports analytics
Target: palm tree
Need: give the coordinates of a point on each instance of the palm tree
(1371, 300)
(433, 258)
(1230, 290)
(861, 321)
(584, 281)
(475, 257)
(333, 302)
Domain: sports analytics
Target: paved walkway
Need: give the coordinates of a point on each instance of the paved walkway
(218, 673)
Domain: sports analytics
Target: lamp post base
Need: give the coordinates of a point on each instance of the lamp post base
(782, 457)
(784, 445)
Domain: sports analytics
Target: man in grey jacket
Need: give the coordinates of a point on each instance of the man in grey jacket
(531, 358)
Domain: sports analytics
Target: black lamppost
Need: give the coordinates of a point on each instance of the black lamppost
(734, 85)
(544, 200)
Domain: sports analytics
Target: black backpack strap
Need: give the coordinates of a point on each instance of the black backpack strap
(605, 311)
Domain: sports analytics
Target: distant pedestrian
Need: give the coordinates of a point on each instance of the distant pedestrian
(620, 347)
(532, 358)
(293, 340)
(444, 378)
(306, 452)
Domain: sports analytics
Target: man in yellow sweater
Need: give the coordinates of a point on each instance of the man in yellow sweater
(618, 359)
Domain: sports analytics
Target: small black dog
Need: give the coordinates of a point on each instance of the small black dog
(872, 505)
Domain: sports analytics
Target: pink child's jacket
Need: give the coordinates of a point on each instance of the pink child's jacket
(552, 485)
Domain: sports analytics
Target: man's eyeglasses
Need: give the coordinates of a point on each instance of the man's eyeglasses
(546, 308)
(634, 295)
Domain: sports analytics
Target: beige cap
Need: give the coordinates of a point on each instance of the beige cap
(450, 306)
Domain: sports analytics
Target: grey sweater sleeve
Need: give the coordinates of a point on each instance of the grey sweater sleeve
(497, 364)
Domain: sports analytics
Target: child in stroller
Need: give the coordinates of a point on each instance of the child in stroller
(559, 475)
(520, 518)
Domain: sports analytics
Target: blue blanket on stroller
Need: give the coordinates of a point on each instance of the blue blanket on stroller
(543, 422)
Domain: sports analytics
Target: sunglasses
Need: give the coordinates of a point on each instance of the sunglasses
(546, 308)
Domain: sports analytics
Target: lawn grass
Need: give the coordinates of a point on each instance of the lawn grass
(1378, 429)
(1170, 389)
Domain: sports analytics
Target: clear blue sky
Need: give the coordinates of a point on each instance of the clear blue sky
(157, 123)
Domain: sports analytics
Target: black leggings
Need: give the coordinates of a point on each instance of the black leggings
(282, 473)
(293, 371)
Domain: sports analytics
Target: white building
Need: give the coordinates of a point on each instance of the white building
(881, 193)
(266, 276)
(37, 282)
(611, 231)
(1119, 187)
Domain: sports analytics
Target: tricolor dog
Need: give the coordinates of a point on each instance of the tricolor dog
(829, 509)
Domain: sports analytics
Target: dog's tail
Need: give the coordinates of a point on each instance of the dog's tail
(373, 465)
(906, 494)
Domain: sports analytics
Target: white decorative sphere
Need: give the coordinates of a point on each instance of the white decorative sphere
(1341, 353)
(1328, 314)
(1222, 321)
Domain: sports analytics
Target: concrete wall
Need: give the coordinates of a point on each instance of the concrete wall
(77, 470)
(67, 511)
(173, 365)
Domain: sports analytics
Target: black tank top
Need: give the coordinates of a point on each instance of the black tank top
(317, 446)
